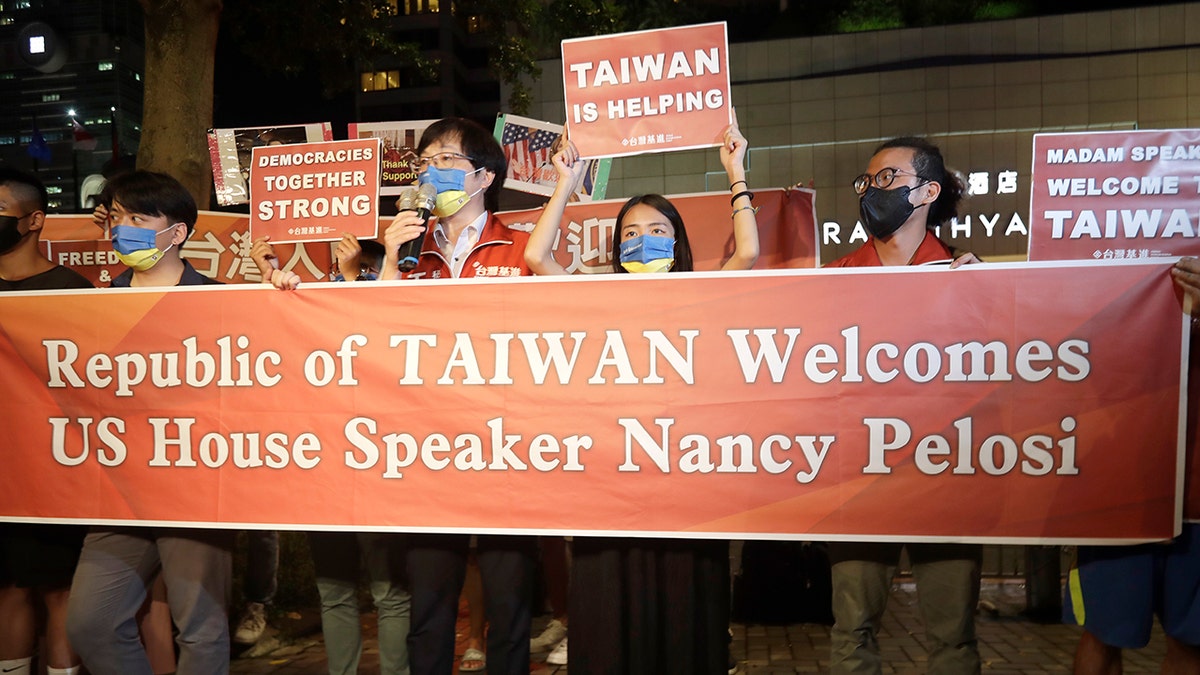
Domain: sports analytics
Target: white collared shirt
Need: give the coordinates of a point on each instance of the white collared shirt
(456, 251)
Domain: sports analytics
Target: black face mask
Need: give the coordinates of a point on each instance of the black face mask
(10, 233)
(884, 211)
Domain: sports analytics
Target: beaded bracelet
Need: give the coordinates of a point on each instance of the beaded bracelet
(743, 193)
(736, 182)
(743, 208)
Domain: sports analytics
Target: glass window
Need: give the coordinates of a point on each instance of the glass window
(104, 65)
(368, 82)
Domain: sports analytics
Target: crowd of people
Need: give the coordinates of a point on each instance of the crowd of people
(636, 605)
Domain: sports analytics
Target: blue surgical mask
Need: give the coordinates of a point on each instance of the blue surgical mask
(648, 253)
(137, 247)
(127, 238)
(451, 185)
(444, 180)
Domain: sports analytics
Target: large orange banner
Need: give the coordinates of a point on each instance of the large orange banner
(991, 403)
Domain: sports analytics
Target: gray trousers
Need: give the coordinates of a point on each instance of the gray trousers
(336, 557)
(947, 578)
(110, 585)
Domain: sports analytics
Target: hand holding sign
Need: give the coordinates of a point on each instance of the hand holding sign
(733, 148)
(569, 166)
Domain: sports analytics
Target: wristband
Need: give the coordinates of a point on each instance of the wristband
(743, 208)
(736, 182)
(743, 193)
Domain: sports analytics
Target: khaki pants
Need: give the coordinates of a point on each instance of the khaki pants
(947, 591)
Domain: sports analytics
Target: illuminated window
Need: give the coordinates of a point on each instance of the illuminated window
(8, 140)
(7, 76)
(47, 98)
(416, 6)
(381, 80)
(53, 190)
(7, 20)
(54, 204)
(104, 65)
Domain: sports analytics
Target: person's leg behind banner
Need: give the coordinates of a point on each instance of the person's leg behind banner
(947, 577)
(335, 558)
(436, 564)
(506, 564)
(197, 567)
(1179, 600)
(115, 568)
(383, 558)
(862, 582)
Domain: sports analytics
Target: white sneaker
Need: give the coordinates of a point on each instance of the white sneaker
(553, 634)
(558, 657)
(251, 625)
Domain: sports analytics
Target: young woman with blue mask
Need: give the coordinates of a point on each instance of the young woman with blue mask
(649, 235)
(648, 606)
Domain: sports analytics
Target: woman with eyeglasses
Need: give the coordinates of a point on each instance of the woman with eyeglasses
(649, 606)
(904, 194)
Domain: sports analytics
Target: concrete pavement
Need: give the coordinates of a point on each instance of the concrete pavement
(1009, 642)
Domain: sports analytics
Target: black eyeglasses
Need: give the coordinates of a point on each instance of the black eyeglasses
(882, 179)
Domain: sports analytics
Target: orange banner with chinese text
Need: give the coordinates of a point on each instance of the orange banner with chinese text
(882, 404)
(218, 248)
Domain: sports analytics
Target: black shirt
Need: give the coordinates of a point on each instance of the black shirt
(56, 278)
(190, 277)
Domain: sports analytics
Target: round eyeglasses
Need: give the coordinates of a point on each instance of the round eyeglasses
(882, 179)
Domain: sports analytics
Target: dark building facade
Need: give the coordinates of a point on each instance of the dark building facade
(461, 86)
(69, 56)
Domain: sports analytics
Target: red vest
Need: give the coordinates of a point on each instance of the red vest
(500, 252)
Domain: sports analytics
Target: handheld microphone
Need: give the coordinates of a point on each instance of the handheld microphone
(422, 200)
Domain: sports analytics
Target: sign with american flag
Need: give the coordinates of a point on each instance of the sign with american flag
(528, 146)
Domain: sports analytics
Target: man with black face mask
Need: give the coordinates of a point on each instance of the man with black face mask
(22, 215)
(36, 561)
(905, 192)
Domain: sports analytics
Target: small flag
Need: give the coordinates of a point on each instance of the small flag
(38, 148)
(83, 140)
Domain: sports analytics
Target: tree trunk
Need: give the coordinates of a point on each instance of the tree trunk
(181, 43)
